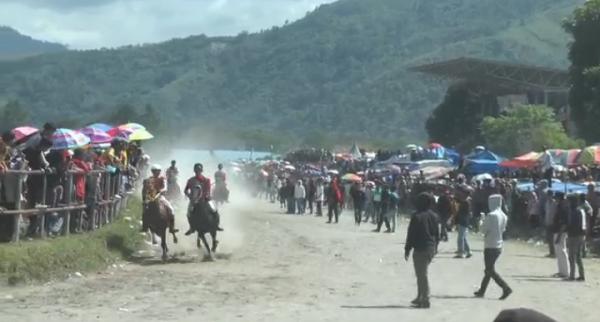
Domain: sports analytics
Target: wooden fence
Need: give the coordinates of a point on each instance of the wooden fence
(105, 205)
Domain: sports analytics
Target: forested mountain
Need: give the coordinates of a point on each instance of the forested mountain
(14, 45)
(340, 71)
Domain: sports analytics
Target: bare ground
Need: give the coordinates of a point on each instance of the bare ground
(274, 267)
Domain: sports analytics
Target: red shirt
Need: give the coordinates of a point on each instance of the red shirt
(201, 180)
(79, 179)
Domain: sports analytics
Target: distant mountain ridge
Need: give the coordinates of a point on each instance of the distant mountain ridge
(15, 45)
(342, 71)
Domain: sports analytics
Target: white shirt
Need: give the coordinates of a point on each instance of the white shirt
(299, 192)
(494, 224)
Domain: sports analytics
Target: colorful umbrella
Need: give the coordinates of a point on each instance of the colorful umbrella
(527, 160)
(68, 139)
(589, 156)
(351, 177)
(565, 158)
(100, 126)
(23, 132)
(140, 135)
(96, 136)
(125, 128)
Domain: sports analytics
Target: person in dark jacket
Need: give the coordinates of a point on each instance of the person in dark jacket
(463, 219)
(444, 210)
(422, 238)
(576, 230)
(359, 199)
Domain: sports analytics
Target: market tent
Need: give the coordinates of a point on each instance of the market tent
(589, 156)
(527, 160)
(355, 152)
(482, 162)
(565, 158)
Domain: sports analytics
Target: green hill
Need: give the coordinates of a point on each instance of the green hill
(340, 72)
(14, 45)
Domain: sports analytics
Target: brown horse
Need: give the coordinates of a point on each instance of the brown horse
(158, 218)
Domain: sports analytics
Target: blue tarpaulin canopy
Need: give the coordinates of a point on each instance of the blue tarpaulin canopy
(482, 162)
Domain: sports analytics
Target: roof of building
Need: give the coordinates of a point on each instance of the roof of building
(502, 77)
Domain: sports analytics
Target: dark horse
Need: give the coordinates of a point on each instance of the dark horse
(205, 220)
(158, 218)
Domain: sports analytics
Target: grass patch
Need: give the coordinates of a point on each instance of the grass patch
(43, 260)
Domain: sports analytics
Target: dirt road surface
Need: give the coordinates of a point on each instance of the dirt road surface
(274, 267)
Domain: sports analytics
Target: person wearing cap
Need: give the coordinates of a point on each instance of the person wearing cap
(494, 225)
(155, 187)
(422, 239)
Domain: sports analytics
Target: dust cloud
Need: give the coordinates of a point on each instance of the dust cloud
(232, 214)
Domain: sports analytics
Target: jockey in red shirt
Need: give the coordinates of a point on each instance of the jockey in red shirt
(198, 180)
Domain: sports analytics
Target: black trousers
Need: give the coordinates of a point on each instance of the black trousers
(319, 208)
(548, 176)
(382, 218)
(333, 209)
(358, 209)
(490, 256)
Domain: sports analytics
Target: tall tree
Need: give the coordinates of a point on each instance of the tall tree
(584, 53)
(456, 121)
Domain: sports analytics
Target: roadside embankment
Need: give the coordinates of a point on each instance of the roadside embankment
(43, 260)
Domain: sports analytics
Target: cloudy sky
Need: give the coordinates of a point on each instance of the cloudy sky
(85, 24)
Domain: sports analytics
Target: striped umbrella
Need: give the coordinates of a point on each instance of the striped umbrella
(100, 126)
(125, 128)
(589, 156)
(64, 139)
(96, 136)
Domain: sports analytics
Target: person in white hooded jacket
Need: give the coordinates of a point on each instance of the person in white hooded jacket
(493, 227)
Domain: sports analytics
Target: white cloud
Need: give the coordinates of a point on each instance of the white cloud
(84, 24)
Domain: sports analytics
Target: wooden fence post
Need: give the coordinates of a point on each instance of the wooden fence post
(69, 199)
(17, 223)
(42, 217)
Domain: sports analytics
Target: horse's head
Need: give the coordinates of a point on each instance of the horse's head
(196, 194)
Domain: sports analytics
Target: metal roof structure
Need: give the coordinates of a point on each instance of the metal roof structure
(500, 77)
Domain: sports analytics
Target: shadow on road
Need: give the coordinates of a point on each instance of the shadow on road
(376, 307)
(452, 297)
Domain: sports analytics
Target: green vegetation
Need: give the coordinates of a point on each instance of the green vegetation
(584, 53)
(524, 129)
(42, 260)
(341, 71)
(14, 45)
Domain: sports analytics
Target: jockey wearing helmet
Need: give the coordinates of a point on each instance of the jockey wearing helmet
(155, 187)
(195, 182)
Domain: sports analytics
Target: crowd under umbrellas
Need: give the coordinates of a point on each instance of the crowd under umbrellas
(59, 151)
(550, 196)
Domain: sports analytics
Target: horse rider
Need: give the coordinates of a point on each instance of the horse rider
(172, 173)
(195, 182)
(220, 182)
(155, 187)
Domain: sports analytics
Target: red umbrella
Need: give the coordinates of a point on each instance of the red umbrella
(434, 145)
(23, 132)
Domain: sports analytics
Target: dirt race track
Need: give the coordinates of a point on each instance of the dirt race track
(274, 267)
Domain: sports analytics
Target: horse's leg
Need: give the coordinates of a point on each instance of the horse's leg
(163, 243)
(208, 252)
(215, 242)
